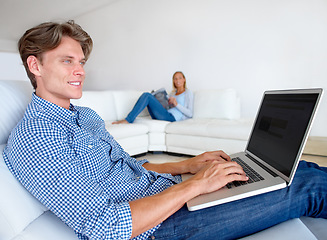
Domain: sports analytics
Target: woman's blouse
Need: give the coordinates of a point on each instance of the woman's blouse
(184, 108)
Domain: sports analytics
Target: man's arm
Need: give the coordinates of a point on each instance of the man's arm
(150, 211)
(191, 165)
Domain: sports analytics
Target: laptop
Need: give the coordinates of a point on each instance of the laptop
(274, 147)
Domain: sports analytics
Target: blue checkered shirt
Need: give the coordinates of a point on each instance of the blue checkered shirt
(72, 165)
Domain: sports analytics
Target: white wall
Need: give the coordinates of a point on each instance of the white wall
(8, 45)
(11, 67)
(250, 45)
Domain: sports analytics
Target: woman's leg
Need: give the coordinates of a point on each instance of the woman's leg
(305, 197)
(156, 110)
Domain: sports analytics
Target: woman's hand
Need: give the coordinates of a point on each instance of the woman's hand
(172, 101)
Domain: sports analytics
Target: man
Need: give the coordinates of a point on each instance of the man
(63, 155)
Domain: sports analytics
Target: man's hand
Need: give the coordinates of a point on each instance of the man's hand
(216, 175)
(213, 170)
(195, 164)
(191, 165)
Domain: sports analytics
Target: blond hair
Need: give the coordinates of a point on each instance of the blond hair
(174, 87)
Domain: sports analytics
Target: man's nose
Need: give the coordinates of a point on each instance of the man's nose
(79, 70)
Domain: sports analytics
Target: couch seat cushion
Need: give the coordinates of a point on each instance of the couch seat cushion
(291, 229)
(48, 227)
(217, 128)
(157, 126)
(119, 131)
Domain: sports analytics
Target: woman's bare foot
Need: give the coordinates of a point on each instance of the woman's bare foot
(120, 121)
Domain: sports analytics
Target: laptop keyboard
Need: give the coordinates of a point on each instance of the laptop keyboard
(250, 172)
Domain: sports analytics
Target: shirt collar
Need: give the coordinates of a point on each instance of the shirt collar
(56, 112)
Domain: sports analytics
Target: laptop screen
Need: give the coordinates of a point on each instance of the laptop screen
(281, 127)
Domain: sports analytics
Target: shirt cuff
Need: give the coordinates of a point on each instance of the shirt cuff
(141, 162)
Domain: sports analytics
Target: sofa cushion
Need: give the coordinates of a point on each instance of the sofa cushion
(132, 137)
(216, 103)
(125, 101)
(135, 145)
(157, 133)
(216, 128)
(119, 131)
(102, 102)
(18, 94)
(153, 125)
(18, 208)
(291, 229)
(316, 225)
(47, 227)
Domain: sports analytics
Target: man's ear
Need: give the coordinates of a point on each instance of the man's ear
(33, 65)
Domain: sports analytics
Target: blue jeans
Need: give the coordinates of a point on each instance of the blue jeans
(156, 110)
(306, 196)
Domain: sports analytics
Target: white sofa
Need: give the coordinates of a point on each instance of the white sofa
(216, 125)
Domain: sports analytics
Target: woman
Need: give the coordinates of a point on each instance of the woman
(181, 99)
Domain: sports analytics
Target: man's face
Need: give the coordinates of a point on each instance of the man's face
(61, 74)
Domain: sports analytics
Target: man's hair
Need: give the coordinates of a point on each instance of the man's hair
(47, 36)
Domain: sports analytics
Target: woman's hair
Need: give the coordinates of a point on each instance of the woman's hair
(174, 87)
(47, 36)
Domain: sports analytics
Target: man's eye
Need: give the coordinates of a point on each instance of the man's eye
(67, 61)
(82, 63)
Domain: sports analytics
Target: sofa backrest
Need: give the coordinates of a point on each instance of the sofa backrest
(114, 105)
(111, 105)
(18, 208)
(14, 98)
(100, 101)
(217, 103)
(125, 101)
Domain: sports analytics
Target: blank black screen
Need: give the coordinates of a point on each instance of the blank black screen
(281, 124)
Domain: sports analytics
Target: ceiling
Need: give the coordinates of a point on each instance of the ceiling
(16, 16)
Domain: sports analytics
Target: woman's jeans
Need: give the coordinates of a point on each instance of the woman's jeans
(156, 110)
(306, 196)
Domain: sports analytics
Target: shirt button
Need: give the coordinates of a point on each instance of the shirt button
(153, 237)
(90, 146)
(73, 114)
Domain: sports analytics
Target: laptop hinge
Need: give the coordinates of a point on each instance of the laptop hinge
(261, 165)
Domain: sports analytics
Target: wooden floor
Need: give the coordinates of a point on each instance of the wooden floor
(320, 160)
